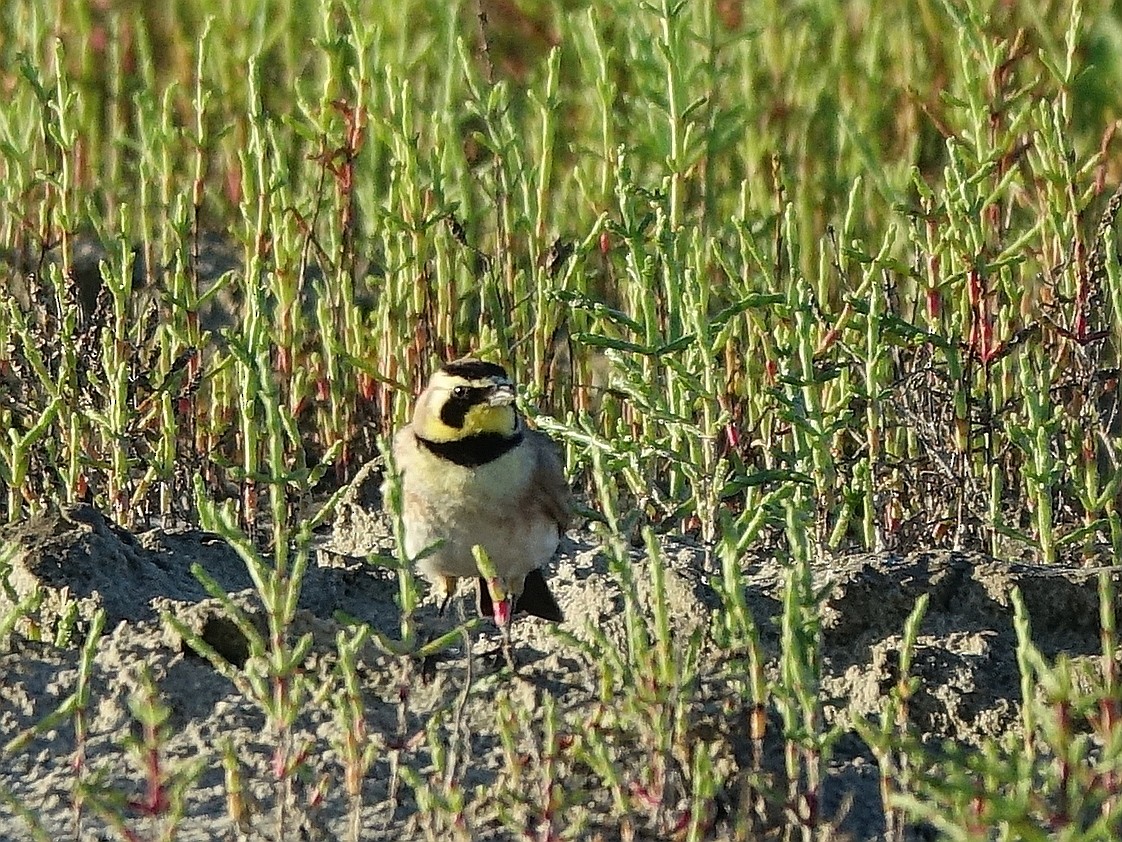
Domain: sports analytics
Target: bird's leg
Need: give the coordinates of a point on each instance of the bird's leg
(448, 585)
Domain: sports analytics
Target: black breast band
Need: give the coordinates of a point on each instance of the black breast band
(473, 451)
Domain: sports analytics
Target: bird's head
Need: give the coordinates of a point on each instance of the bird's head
(465, 398)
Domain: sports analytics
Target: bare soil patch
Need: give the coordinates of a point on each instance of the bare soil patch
(965, 658)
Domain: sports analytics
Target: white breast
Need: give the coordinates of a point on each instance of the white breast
(487, 505)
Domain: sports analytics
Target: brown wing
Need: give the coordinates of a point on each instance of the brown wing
(548, 488)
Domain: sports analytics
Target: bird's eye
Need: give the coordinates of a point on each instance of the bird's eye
(460, 392)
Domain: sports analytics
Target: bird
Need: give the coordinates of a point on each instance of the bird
(472, 473)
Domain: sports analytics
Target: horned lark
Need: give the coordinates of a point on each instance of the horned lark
(472, 473)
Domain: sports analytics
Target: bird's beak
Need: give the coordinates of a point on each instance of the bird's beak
(502, 394)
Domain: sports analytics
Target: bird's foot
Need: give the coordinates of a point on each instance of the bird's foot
(444, 604)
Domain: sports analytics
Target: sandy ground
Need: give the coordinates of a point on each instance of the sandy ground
(965, 658)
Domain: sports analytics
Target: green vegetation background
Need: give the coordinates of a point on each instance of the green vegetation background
(853, 251)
